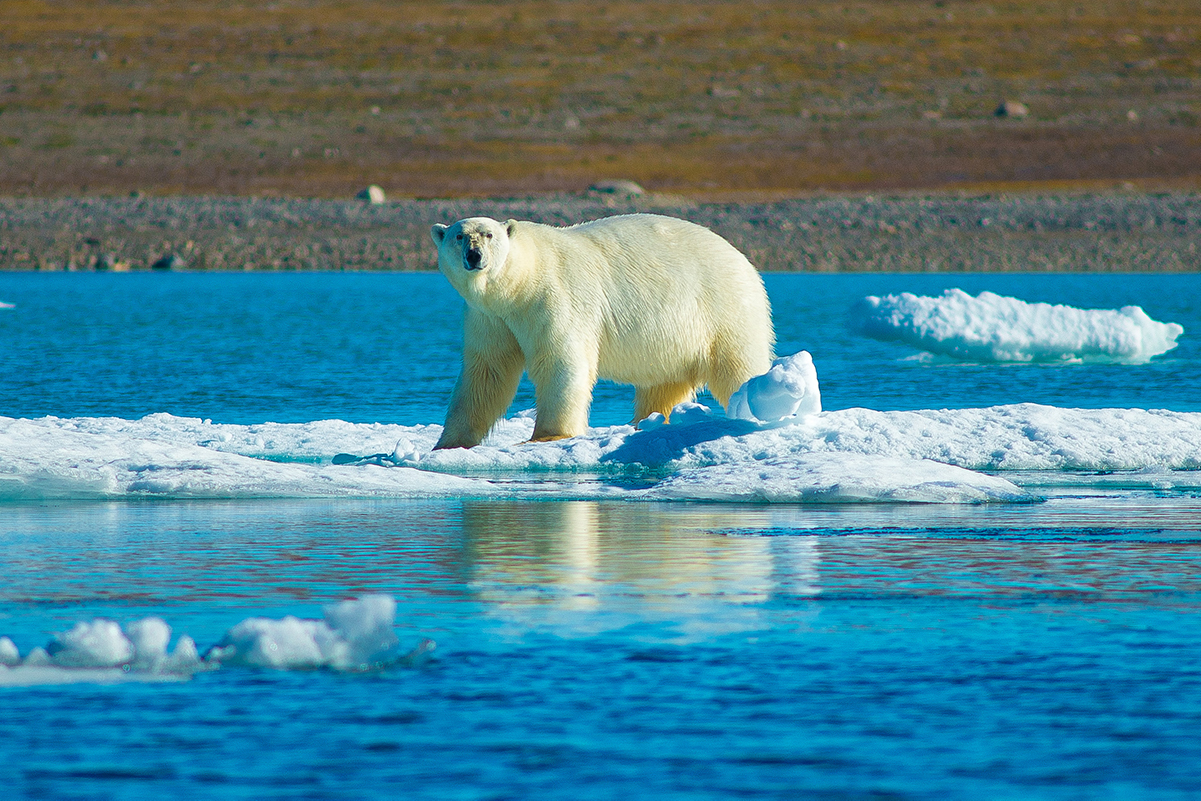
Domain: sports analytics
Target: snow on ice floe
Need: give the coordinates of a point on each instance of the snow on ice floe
(788, 389)
(838, 478)
(995, 328)
(849, 455)
(355, 635)
(776, 446)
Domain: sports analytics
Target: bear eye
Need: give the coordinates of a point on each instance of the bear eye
(487, 236)
(459, 237)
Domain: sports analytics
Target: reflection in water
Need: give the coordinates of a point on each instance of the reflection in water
(522, 558)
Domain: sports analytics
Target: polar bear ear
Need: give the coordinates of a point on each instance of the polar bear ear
(509, 226)
(438, 232)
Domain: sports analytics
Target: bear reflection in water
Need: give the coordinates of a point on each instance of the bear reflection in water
(579, 555)
(660, 303)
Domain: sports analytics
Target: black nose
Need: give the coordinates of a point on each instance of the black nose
(473, 258)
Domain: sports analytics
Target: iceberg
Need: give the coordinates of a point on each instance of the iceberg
(994, 328)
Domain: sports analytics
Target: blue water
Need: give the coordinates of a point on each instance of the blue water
(596, 649)
(246, 348)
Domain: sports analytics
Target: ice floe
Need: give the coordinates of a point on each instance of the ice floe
(837, 478)
(355, 635)
(776, 446)
(177, 457)
(995, 328)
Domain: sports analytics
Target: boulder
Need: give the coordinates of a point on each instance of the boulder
(1011, 108)
(617, 187)
(372, 194)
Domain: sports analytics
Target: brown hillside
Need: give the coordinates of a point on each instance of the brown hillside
(698, 98)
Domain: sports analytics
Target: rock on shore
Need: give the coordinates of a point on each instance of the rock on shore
(1101, 232)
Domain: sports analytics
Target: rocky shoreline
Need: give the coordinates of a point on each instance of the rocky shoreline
(1116, 232)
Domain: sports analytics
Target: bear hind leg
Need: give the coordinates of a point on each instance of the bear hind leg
(661, 398)
(732, 369)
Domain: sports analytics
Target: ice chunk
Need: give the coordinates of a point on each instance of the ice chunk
(150, 638)
(98, 644)
(404, 450)
(9, 655)
(184, 659)
(355, 635)
(788, 389)
(688, 413)
(995, 328)
(652, 421)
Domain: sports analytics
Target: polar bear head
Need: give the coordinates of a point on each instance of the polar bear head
(472, 252)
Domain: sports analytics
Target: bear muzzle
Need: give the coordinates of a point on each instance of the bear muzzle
(474, 257)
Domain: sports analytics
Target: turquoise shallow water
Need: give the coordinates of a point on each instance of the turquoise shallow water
(588, 648)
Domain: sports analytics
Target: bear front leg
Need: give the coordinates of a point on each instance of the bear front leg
(492, 367)
(563, 393)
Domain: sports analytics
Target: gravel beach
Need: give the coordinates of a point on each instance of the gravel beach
(1115, 232)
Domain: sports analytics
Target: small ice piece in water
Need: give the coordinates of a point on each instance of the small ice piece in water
(37, 657)
(185, 658)
(98, 644)
(995, 328)
(9, 655)
(355, 635)
(150, 637)
(788, 389)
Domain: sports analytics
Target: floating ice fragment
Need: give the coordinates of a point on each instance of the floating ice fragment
(9, 655)
(788, 389)
(994, 328)
(355, 635)
(37, 657)
(262, 642)
(149, 638)
(98, 644)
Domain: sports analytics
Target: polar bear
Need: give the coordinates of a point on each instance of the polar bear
(642, 299)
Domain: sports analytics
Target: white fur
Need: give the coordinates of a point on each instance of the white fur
(657, 302)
